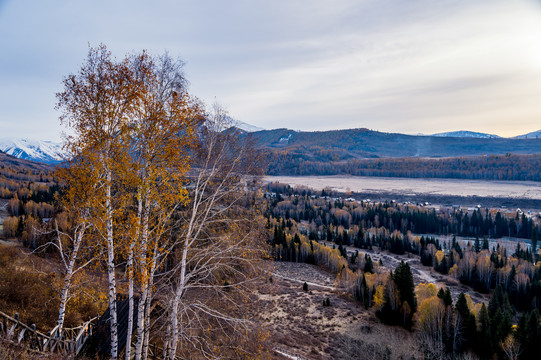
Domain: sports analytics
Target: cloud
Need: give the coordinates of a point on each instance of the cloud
(411, 66)
(409, 78)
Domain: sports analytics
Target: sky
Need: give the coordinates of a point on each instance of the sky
(416, 66)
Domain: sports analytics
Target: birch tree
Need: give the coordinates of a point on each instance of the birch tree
(96, 105)
(431, 323)
(171, 196)
(218, 245)
(511, 347)
(161, 139)
(71, 242)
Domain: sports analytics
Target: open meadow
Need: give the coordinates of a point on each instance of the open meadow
(511, 194)
(409, 186)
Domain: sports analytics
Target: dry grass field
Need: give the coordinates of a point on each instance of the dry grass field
(299, 324)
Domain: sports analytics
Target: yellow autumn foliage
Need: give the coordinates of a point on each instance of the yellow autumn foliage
(379, 299)
(425, 291)
(439, 256)
(431, 314)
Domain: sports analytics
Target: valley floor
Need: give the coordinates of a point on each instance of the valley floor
(511, 194)
(415, 186)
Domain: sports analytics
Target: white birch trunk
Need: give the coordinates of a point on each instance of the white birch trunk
(131, 279)
(140, 325)
(111, 268)
(130, 304)
(190, 234)
(146, 332)
(182, 281)
(145, 280)
(149, 299)
(67, 279)
(167, 343)
(176, 302)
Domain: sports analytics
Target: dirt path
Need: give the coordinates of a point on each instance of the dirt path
(421, 273)
(9, 243)
(309, 283)
(3, 210)
(3, 213)
(287, 354)
(391, 261)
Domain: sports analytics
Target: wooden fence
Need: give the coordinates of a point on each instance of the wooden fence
(69, 341)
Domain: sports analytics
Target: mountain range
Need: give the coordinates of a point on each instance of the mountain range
(334, 145)
(338, 145)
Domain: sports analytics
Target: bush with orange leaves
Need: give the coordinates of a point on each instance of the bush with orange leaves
(28, 286)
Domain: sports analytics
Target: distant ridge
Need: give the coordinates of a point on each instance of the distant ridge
(363, 152)
(341, 145)
(480, 135)
(466, 134)
(334, 145)
(11, 161)
(532, 135)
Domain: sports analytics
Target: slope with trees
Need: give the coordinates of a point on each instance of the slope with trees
(301, 225)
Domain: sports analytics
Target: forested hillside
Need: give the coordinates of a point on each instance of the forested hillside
(364, 152)
(304, 227)
(494, 167)
(27, 193)
(364, 143)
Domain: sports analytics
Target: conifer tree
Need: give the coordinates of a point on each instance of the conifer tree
(369, 264)
(462, 306)
(534, 244)
(441, 293)
(484, 347)
(404, 282)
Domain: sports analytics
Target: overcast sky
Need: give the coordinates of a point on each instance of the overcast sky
(415, 66)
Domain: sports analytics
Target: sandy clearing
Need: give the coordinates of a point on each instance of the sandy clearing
(307, 272)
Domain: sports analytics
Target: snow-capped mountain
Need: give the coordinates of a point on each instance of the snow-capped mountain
(241, 125)
(466, 134)
(247, 127)
(36, 150)
(532, 135)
